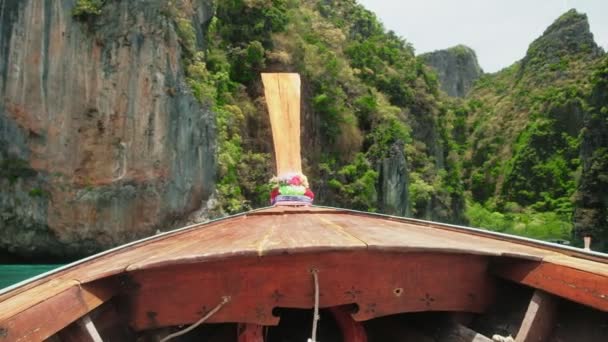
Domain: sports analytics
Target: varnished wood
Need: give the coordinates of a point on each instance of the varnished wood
(282, 92)
(83, 330)
(539, 320)
(260, 236)
(380, 283)
(574, 254)
(293, 231)
(250, 333)
(111, 322)
(44, 319)
(579, 286)
(352, 331)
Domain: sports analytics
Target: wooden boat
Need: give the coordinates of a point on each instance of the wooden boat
(269, 274)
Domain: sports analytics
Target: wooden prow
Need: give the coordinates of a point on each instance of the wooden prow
(282, 91)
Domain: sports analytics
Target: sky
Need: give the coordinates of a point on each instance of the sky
(498, 30)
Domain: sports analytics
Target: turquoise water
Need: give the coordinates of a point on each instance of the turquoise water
(12, 274)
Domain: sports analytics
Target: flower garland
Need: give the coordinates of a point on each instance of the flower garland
(291, 187)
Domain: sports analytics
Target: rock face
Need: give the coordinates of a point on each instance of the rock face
(591, 212)
(456, 67)
(537, 134)
(569, 34)
(101, 141)
(393, 183)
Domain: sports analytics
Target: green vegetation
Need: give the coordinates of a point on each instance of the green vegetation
(591, 202)
(516, 140)
(37, 192)
(12, 168)
(87, 8)
(365, 88)
(521, 136)
(355, 184)
(523, 222)
(218, 77)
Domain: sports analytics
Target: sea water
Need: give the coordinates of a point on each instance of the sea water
(12, 274)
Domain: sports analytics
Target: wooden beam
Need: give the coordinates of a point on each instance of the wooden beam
(352, 331)
(111, 323)
(83, 330)
(460, 333)
(250, 333)
(282, 92)
(46, 318)
(392, 283)
(578, 286)
(539, 320)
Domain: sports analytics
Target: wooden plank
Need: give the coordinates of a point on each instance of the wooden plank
(223, 241)
(83, 330)
(539, 320)
(259, 235)
(460, 333)
(297, 210)
(307, 230)
(250, 333)
(163, 246)
(578, 286)
(393, 236)
(103, 266)
(539, 247)
(392, 283)
(282, 92)
(379, 233)
(352, 331)
(44, 319)
(111, 323)
(289, 234)
(16, 304)
(578, 264)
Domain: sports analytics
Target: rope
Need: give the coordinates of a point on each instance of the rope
(315, 318)
(224, 301)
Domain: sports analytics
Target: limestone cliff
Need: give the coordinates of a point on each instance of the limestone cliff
(393, 183)
(568, 35)
(103, 138)
(591, 211)
(101, 141)
(534, 136)
(373, 135)
(528, 115)
(456, 67)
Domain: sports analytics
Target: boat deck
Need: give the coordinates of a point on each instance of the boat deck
(78, 288)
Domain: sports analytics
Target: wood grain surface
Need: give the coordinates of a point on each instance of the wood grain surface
(539, 321)
(381, 283)
(284, 234)
(282, 92)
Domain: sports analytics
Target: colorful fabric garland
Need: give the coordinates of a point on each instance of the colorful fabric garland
(291, 187)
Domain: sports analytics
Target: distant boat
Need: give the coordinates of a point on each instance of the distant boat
(269, 274)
